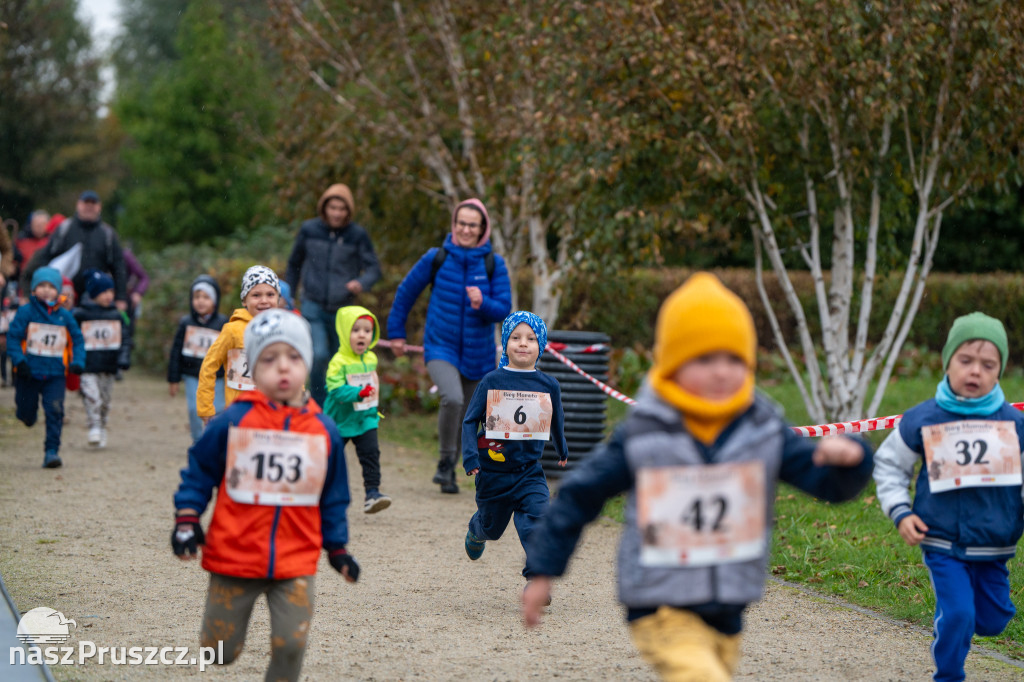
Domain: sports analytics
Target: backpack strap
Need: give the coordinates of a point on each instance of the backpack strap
(441, 254)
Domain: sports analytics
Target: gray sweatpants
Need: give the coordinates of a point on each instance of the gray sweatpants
(97, 390)
(455, 390)
(229, 604)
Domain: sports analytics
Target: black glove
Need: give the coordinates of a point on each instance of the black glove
(22, 368)
(75, 368)
(340, 559)
(187, 535)
(124, 366)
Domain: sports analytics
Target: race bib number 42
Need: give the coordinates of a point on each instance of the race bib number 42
(971, 454)
(518, 415)
(102, 334)
(701, 515)
(275, 468)
(45, 340)
(198, 341)
(237, 375)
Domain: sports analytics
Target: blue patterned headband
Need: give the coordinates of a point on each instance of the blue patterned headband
(513, 321)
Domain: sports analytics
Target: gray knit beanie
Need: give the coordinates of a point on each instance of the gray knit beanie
(275, 325)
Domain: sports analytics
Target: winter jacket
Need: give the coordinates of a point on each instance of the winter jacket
(50, 364)
(187, 362)
(496, 454)
(107, 343)
(253, 540)
(343, 397)
(231, 338)
(101, 250)
(454, 331)
(653, 437)
(971, 523)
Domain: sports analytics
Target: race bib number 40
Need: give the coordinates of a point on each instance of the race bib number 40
(701, 515)
(275, 468)
(362, 379)
(198, 341)
(518, 415)
(971, 454)
(237, 375)
(102, 334)
(45, 340)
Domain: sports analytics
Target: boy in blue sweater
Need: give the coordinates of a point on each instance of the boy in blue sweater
(967, 514)
(37, 339)
(514, 411)
(700, 457)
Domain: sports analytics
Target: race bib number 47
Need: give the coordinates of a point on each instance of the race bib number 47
(102, 334)
(237, 375)
(971, 454)
(518, 415)
(275, 468)
(701, 515)
(45, 340)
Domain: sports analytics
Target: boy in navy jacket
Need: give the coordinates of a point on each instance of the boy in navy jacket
(514, 411)
(967, 514)
(36, 342)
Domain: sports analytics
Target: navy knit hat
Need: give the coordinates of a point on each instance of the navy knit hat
(97, 282)
(513, 321)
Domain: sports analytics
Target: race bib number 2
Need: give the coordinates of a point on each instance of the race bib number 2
(970, 454)
(275, 468)
(45, 340)
(518, 415)
(238, 376)
(701, 515)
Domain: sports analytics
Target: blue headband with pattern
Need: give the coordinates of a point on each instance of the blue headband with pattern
(513, 321)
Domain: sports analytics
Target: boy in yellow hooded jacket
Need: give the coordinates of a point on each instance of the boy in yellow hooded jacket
(353, 394)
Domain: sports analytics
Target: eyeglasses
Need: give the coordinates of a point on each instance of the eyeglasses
(467, 226)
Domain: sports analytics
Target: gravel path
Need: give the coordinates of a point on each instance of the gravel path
(91, 540)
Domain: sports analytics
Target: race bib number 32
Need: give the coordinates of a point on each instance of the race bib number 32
(45, 340)
(701, 515)
(237, 375)
(971, 454)
(518, 415)
(275, 468)
(102, 334)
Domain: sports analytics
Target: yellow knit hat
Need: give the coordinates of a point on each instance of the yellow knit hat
(700, 317)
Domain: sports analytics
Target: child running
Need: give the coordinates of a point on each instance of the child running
(352, 396)
(196, 333)
(967, 514)
(514, 411)
(107, 349)
(284, 498)
(699, 457)
(260, 291)
(37, 339)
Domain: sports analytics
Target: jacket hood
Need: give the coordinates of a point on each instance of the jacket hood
(211, 283)
(344, 322)
(341, 192)
(485, 236)
(240, 315)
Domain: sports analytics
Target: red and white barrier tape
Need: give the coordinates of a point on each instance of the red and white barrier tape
(601, 385)
(568, 348)
(409, 348)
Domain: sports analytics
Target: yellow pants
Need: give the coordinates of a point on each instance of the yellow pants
(683, 648)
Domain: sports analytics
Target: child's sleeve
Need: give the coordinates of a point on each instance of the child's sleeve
(214, 360)
(174, 362)
(581, 497)
(124, 353)
(77, 342)
(829, 483)
(207, 460)
(894, 470)
(558, 423)
(335, 496)
(15, 335)
(337, 388)
(471, 426)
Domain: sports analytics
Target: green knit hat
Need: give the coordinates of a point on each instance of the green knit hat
(975, 326)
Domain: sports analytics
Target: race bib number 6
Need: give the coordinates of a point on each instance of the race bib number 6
(238, 375)
(275, 468)
(45, 340)
(701, 515)
(971, 454)
(518, 415)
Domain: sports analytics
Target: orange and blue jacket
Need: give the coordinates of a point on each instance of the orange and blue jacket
(46, 367)
(260, 541)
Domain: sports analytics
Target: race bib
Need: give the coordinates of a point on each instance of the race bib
(5, 319)
(362, 379)
(701, 515)
(275, 468)
(518, 415)
(238, 375)
(198, 341)
(102, 334)
(46, 340)
(971, 454)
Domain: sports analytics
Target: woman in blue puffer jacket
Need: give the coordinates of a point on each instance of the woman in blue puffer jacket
(470, 294)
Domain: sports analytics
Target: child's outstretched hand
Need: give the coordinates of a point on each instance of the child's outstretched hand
(172, 389)
(344, 563)
(563, 462)
(187, 534)
(473, 472)
(838, 451)
(366, 391)
(912, 529)
(536, 596)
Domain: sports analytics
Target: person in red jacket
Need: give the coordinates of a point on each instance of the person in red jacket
(279, 467)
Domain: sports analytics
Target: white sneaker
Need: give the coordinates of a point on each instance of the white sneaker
(103, 439)
(95, 436)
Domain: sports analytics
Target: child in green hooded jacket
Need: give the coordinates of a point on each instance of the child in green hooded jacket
(352, 395)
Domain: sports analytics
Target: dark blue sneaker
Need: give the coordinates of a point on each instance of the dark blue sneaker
(474, 546)
(51, 460)
(375, 502)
